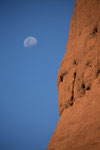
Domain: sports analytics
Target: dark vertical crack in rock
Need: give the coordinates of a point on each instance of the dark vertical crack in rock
(73, 85)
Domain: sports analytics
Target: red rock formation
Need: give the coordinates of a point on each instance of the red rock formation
(78, 82)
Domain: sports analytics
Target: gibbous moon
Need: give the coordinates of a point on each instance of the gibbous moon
(30, 41)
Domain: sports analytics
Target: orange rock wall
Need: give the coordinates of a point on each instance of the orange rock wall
(78, 82)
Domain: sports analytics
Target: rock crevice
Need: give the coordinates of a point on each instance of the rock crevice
(73, 88)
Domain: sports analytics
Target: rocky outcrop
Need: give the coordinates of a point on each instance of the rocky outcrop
(78, 82)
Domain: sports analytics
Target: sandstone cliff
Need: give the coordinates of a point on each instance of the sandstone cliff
(78, 82)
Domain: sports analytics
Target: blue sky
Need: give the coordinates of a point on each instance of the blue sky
(28, 75)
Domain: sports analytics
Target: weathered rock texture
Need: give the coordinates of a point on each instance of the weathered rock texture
(78, 82)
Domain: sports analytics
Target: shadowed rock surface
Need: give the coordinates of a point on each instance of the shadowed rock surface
(78, 82)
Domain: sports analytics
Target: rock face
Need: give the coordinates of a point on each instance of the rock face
(78, 82)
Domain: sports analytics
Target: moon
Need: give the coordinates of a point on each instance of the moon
(30, 42)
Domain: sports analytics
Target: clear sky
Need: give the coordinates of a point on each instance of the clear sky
(28, 75)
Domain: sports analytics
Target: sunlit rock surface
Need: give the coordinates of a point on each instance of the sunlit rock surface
(78, 82)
